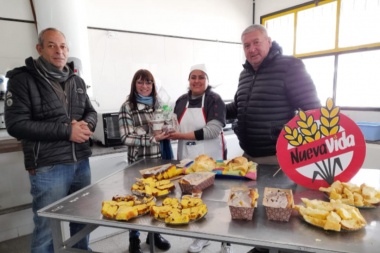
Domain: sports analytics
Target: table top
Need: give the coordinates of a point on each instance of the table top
(85, 206)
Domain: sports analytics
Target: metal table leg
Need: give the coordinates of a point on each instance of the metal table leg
(151, 242)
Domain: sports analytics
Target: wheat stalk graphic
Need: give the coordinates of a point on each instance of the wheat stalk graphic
(308, 130)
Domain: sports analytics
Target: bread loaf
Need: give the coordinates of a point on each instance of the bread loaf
(203, 163)
(278, 199)
(240, 164)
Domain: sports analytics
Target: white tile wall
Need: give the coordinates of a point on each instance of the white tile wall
(16, 224)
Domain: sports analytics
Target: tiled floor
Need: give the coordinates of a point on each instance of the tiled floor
(119, 244)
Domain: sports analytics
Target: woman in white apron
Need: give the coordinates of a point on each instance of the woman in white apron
(201, 116)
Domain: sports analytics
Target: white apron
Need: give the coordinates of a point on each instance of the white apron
(194, 119)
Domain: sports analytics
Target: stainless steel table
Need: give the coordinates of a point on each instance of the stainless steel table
(296, 235)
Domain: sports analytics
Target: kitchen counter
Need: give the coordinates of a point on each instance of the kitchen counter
(10, 144)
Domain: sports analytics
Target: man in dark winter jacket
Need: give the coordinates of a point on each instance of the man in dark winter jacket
(48, 109)
(272, 87)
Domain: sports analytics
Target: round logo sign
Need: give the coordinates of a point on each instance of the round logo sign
(318, 147)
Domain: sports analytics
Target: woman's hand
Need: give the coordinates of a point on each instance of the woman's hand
(182, 136)
(161, 136)
(175, 136)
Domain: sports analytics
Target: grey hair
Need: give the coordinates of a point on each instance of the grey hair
(255, 27)
(41, 35)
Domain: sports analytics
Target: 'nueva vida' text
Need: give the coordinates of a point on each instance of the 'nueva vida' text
(328, 147)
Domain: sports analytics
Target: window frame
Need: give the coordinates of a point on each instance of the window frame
(336, 51)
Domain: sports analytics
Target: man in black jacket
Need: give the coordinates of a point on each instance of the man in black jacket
(272, 87)
(48, 109)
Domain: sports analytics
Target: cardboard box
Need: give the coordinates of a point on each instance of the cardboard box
(242, 212)
(370, 130)
(278, 211)
(196, 182)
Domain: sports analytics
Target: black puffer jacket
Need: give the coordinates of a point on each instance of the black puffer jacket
(35, 115)
(268, 98)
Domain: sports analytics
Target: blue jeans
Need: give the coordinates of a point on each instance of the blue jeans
(49, 184)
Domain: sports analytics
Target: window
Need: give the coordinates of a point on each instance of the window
(316, 29)
(359, 22)
(358, 79)
(339, 42)
(283, 28)
(322, 71)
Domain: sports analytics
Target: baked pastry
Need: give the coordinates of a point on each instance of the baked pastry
(203, 163)
(126, 207)
(278, 198)
(196, 182)
(126, 213)
(243, 197)
(240, 164)
(166, 171)
(278, 203)
(333, 215)
(152, 187)
(175, 211)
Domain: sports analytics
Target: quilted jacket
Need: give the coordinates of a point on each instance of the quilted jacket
(35, 115)
(268, 98)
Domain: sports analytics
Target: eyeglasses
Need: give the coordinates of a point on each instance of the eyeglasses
(147, 83)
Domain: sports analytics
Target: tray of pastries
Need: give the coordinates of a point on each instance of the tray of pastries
(174, 211)
(333, 215)
(238, 167)
(152, 187)
(126, 207)
(361, 196)
(166, 171)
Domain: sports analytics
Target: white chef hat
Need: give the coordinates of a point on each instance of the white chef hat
(201, 67)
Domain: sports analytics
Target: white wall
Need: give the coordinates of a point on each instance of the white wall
(166, 37)
(171, 37)
(13, 49)
(169, 59)
(264, 7)
(211, 19)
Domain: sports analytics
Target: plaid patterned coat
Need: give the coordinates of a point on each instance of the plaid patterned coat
(136, 133)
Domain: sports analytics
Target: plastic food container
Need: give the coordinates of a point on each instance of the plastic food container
(370, 130)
